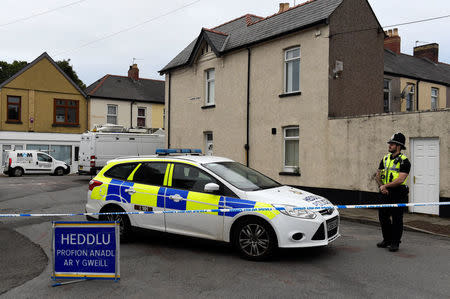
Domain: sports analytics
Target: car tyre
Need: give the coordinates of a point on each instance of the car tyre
(17, 171)
(255, 239)
(125, 230)
(59, 171)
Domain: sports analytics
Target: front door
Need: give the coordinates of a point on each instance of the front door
(425, 174)
(186, 192)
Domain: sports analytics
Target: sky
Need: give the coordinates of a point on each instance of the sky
(67, 29)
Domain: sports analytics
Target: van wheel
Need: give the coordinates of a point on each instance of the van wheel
(125, 230)
(255, 239)
(59, 171)
(17, 171)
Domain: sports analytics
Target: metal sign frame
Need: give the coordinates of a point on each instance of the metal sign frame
(90, 275)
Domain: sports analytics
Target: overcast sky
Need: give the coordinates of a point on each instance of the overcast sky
(63, 32)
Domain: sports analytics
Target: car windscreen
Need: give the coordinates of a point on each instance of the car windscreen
(241, 177)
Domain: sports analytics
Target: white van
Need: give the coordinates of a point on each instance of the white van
(22, 162)
(96, 148)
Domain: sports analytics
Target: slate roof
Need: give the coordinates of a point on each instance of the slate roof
(125, 88)
(28, 66)
(416, 68)
(250, 29)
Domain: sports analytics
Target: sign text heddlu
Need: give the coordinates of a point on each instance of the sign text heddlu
(86, 250)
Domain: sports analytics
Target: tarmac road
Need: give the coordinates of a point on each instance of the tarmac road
(163, 265)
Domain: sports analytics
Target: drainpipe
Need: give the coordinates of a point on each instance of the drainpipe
(131, 114)
(247, 146)
(417, 95)
(168, 111)
(88, 99)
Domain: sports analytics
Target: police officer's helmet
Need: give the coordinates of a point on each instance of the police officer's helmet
(399, 139)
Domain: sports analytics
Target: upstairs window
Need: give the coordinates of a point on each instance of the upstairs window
(387, 95)
(434, 98)
(410, 98)
(291, 154)
(206, 49)
(292, 70)
(13, 108)
(142, 114)
(66, 112)
(210, 82)
(111, 116)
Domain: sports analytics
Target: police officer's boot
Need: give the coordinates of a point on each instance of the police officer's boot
(393, 247)
(383, 244)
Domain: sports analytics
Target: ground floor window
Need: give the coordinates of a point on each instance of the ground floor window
(209, 143)
(142, 115)
(291, 154)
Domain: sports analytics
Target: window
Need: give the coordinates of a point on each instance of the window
(111, 115)
(190, 178)
(206, 49)
(151, 174)
(292, 70)
(434, 98)
(142, 112)
(121, 171)
(66, 112)
(62, 153)
(387, 95)
(209, 143)
(410, 98)
(39, 147)
(291, 136)
(43, 158)
(77, 151)
(13, 107)
(210, 82)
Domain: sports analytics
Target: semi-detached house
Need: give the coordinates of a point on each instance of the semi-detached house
(297, 95)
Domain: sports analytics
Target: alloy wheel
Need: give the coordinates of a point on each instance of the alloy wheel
(254, 239)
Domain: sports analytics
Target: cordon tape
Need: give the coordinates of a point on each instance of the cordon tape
(398, 205)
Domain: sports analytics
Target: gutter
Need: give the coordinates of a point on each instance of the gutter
(247, 146)
(416, 78)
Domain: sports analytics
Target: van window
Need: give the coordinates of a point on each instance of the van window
(43, 158)
(151, 174)
(121, 171)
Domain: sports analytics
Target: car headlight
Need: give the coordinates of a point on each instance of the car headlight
(289, 211)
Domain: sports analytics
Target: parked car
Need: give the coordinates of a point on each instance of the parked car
(96, 148)
(19, 162)
(193, 182)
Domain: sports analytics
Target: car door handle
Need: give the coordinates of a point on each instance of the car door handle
(176, 197)
(130, 191)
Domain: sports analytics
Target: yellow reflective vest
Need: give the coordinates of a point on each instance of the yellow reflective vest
(391, 169)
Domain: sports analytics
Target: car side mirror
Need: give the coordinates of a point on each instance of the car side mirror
(211, 187)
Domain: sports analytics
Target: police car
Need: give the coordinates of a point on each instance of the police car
(168, 182)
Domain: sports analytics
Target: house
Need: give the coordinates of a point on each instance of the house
(131, 101)
(299, 97)
(414, 83)
(42, 108)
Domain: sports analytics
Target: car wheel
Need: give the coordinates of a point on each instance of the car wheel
(59, 171)
(125, 230)
(255, 239)
(18, 171)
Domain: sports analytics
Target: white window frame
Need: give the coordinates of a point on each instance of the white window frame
(208, 142)
(434, 98)
(140, 117)
(388, 90)
(112, 115)
(290, 168)
(286, 62)
(411, 96)
(210, 81)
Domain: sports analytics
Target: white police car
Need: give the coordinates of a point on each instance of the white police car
(196, 182)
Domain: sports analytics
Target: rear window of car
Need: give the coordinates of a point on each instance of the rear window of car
(121, 171)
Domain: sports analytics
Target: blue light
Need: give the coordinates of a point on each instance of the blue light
(165, 151)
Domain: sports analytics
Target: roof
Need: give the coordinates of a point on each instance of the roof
(416, 68)
(31, 64)
(250, 29)
(125, 88)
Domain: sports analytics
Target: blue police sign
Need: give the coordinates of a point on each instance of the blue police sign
(86, 250)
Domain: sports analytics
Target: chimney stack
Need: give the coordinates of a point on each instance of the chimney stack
(283, 7)
(430, 51)
(392, 41)
(133, 72)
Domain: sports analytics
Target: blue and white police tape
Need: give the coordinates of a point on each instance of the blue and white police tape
(228, 210)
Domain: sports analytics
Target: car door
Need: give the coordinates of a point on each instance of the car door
(44, 163)
(185, 191)
(148, 191)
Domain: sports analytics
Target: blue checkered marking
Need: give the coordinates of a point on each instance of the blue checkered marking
(116, 191)
(160, 198)
(231, 202)
(125, 196)
(170, 204)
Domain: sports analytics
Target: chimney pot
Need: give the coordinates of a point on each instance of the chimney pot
(133, 72)
(395, 31)
(392, 42)
(283, 7)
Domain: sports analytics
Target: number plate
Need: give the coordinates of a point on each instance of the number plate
(332, 224)
(80, 167)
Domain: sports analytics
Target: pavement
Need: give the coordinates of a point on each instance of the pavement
(430, 224)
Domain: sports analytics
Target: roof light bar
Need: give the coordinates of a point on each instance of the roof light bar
(168, 151)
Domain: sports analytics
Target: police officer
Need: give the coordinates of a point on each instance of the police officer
(392, 177)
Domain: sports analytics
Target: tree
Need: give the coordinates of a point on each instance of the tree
(7, 70)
